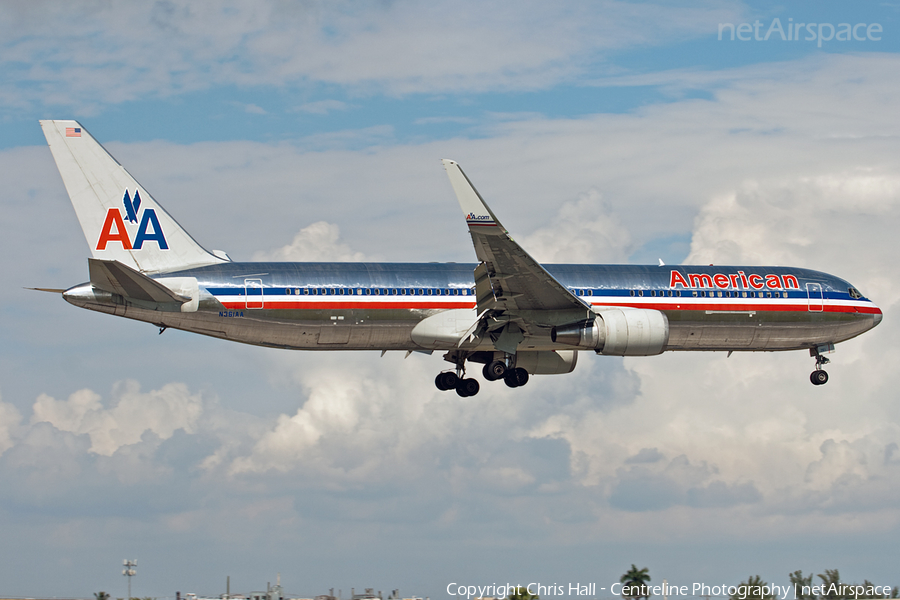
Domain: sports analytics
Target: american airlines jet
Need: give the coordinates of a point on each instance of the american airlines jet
(508, 312)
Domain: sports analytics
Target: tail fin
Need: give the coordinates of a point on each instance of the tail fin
(120, 219)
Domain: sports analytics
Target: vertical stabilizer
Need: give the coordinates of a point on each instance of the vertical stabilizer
(120, 219)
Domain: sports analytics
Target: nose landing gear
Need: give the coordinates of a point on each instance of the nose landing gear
(819, 376)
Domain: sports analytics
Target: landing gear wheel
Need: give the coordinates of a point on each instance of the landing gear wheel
(521, 376)
(818, 377)
(494, 370)
(516, 377)
(467, 387)
(446, 381)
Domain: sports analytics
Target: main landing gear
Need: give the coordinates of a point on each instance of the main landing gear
(494, 370)
(819, 376)
(448, 380)
(497, 369)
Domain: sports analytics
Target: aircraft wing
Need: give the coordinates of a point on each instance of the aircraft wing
(508, 278)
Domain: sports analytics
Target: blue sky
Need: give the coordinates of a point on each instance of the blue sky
(599, 132)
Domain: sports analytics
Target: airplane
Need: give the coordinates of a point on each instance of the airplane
(507, 312)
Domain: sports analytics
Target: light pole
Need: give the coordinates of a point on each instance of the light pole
(129, 572)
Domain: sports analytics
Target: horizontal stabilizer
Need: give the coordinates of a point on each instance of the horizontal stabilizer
(51, 290)
(116, 278)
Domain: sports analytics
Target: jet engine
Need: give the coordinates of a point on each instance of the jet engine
(618, 332)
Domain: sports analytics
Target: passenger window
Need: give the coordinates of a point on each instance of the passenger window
(632, 292)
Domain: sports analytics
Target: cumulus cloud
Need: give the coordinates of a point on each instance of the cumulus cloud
(582, 230)
(316, 242)
(133, 414)
(807, 222)
(680, 447)
(643, 488)
(10, 418)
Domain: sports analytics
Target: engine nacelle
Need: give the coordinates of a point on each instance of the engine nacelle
(618, 332)
(547, 362)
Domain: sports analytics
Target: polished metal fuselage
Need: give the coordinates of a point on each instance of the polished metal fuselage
(375, 306)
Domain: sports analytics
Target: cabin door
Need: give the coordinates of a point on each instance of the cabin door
(253, 293)
(816, 299)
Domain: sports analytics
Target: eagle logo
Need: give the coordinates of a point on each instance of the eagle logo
(132, 207)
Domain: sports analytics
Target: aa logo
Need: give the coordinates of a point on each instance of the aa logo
(148, 230)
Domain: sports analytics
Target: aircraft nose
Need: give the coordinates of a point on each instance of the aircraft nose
(878, 316)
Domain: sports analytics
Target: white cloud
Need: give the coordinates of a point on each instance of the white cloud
(582, 230)
(322, 107)
(342, 446)
(10, 419)
(316, 242)
(60, 54)
(839, 222)
(253, 109)
(133, 413)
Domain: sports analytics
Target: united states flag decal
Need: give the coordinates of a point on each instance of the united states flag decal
(73, 131)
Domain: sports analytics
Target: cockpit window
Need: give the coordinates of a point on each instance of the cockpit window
(854, 293)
